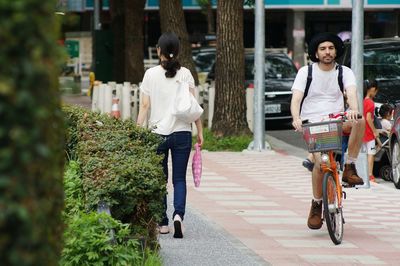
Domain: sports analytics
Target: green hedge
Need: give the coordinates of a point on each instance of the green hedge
(119, 166)
(31, 134)
(93, 238)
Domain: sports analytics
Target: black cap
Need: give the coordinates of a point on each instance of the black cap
(325, 37)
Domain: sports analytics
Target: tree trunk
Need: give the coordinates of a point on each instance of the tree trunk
(134, 40)
(117, 26)
(230, 95)
(172, 19)
(210, 18)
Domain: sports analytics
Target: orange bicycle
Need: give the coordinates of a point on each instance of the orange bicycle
(326, 138)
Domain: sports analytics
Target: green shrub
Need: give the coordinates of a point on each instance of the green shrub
(119, 166)
(73, 189)
(97, 239)
(215, 143)
(89, 241)
(31, 134)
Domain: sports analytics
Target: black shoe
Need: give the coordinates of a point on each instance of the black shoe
(308, 164)
(178, 227)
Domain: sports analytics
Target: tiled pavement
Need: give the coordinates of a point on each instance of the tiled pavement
(263, 200)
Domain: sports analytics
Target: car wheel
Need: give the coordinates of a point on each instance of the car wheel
(385, 173)
(396, 164)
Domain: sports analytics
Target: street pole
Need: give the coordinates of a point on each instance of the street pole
(259, 78)
(96, 15)
(357, 48)
(357, 65)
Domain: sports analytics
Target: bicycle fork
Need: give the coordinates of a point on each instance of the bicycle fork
(328, 164)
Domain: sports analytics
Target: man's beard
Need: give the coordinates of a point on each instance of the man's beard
(327, 60)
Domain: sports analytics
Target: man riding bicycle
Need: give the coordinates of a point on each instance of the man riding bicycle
(317, 92)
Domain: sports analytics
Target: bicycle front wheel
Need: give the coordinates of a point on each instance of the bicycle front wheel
(333, 214)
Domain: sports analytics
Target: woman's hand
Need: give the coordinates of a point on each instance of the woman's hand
(200, 139)
(199, 127)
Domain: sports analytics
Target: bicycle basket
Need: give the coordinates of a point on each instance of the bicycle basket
(323, 136)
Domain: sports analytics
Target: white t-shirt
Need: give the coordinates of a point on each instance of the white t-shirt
(324, 95)
(386, 125)
(162, 91)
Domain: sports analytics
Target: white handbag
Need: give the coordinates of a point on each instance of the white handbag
(186, 108)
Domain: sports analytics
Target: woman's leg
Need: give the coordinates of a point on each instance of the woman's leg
(180, 151)
(163, 149)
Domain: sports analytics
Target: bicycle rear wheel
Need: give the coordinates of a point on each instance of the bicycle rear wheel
(333, 214)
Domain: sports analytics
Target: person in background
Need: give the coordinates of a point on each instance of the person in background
(371, 133)
(158, 90)
(386, 113)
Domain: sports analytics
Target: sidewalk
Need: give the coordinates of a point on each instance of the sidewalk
(263, 201)
(251, 209)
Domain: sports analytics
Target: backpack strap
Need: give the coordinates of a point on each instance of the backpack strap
(309, 79)
(340, 77)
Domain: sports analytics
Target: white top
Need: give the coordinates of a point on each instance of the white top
(386, 125)
(324, 95)
(162, 91)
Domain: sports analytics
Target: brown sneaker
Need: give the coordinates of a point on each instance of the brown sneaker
(314, 218)
(350, 175)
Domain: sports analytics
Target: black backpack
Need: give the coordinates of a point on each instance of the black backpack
(309, 79)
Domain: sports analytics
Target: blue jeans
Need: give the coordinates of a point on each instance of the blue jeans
(180, 144)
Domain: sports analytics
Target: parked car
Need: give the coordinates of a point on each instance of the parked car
(280, 73)
(381, 62)
(204, 59)
(395, 147)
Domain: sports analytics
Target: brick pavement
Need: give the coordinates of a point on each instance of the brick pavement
(263, 200)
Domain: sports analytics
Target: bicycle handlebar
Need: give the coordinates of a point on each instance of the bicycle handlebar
(342, 116)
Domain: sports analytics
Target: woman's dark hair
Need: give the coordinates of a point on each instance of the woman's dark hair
(169, 48)
(385, 109)
(368, 85)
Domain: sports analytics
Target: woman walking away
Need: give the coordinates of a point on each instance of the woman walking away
(158, 90)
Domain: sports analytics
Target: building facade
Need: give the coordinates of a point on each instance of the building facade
(289, 23)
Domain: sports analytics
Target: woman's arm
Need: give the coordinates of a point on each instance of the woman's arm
(143, 109)
(198, 123)
(199, 127)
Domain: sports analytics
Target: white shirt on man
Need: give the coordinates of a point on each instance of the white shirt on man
(162, 91)
(324, 95)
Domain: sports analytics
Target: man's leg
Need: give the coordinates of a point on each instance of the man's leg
(350, 175)
(317, 177)
(315, 217)
(356, 135)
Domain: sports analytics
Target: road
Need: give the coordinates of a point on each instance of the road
(284, 131)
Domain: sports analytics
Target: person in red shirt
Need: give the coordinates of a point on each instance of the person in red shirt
(371, 133)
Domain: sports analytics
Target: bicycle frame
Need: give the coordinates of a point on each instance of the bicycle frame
(332, 167)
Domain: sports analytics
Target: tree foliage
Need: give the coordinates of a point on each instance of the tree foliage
(31, 134)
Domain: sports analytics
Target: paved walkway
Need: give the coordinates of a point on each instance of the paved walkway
(263, 201)
(251, 209)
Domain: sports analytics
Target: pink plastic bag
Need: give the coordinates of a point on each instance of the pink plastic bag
(196, 165)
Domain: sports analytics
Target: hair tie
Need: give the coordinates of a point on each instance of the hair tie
(171, 55)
